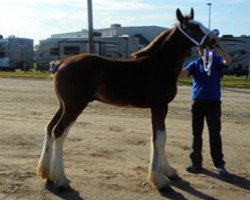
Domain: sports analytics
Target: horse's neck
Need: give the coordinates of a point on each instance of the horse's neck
(168, 51)
(175, 44)
(169, 42)
(173, 52)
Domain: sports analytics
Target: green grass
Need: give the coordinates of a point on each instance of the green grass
(227, 81)
(20, 74)
(235, 81)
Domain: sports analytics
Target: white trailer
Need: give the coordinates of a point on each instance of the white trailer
(53, 49)
(16, 53)
(239, 49)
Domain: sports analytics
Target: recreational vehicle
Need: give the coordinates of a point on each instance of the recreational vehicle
(16, 53)
(58, 48)
(239, 49)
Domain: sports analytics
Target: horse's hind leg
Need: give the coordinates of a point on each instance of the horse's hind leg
(43, 168)
(70, 114)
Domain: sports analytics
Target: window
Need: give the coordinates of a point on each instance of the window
(54, 51)
(71, 50)
(2, 54)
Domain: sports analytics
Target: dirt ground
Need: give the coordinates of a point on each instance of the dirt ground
(107, 150)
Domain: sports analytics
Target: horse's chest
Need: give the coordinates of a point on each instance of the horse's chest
(163, 92)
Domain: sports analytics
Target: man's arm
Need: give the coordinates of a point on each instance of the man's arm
(224, 54)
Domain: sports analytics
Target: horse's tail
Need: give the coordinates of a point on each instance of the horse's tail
(54, 66)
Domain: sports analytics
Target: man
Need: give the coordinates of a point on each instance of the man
(206, 72)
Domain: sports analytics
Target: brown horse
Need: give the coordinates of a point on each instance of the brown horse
(149, 80)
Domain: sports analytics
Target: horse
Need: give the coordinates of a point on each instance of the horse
(147, 80)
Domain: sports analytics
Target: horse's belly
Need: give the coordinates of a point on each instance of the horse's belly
(124, 100)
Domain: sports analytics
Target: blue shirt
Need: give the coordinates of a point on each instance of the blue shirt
(206, 87)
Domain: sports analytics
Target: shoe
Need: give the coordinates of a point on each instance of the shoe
(222, 172)
(194, 169)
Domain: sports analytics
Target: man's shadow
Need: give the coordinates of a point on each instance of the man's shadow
(186, 186)
(233, 179)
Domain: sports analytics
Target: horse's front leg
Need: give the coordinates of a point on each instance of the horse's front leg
(159, 169)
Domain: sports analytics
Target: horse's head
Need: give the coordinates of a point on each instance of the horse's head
(197, 33)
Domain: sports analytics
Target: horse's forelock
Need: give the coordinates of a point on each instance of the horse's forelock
(202, 27)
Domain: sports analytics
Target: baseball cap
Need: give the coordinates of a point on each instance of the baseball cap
(216, 32)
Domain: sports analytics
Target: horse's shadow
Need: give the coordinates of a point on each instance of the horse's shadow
(183, 185)
(186, 186)
(66, 194)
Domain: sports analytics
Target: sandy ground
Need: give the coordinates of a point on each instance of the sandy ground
(107, 150)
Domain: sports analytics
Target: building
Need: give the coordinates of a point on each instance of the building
(52, 49)
(145, 34)
(114, 42)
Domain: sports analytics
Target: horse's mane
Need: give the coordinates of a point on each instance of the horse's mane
(154, 46)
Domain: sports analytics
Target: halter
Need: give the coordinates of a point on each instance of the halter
(192, 39)
(207, 57)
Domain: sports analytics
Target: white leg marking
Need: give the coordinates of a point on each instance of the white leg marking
(166, 168)
(158, 159)
(43, 168)
(57, 174)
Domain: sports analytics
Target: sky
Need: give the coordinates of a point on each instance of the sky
(38, 19)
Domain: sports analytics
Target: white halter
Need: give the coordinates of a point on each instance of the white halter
(207, 59)
(192, 39)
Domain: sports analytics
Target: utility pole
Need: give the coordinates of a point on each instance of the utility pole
(91, 31)
(209, 14)
(248, 76)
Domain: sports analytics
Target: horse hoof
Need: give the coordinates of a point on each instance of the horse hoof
(64, 187)
(49, 185)
(49, 182)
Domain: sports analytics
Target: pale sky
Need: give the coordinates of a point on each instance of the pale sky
(38, 19)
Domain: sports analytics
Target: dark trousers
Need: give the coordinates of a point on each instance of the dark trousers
(211, 111)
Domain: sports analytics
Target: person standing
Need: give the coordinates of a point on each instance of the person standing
(207, 72)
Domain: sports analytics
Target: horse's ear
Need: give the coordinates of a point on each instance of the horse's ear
(179, 16)
(191, 14)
